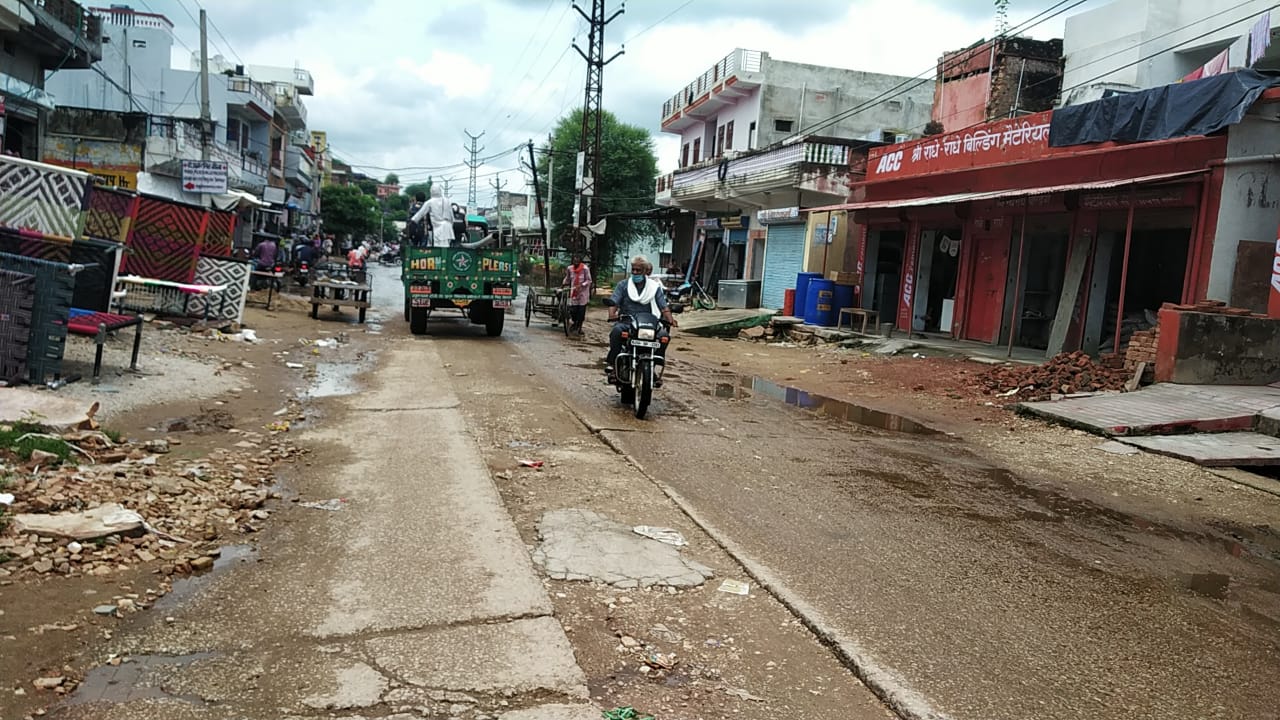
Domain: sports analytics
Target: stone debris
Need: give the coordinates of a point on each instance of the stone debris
(133, 507)
(1063, 374)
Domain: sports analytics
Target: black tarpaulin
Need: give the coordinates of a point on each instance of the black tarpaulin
(1200, 107)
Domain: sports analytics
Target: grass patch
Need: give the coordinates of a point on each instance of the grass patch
(115, 435)
(11, 437)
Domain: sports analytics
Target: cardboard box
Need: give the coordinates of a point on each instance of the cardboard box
(844, 278)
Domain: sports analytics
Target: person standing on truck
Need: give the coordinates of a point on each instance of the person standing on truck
(577, 277)
(440, 213)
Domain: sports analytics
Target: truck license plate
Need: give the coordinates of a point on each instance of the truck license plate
(420, 302)
(419, 289)
(646, 343)
(501, 304)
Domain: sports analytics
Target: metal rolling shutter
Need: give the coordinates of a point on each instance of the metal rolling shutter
(783, 259)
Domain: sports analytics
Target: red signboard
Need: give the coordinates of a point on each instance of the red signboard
(906, 304)
(1024, 138)
(1273, 305)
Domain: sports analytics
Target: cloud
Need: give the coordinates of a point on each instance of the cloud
(457, 75)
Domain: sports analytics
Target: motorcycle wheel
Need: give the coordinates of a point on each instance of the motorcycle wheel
(628, 395)
(643, 395)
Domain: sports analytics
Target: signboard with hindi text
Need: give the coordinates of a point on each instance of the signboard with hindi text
(204, 176)
(1003, 141)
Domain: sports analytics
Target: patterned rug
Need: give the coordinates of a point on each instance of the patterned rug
(110, 213)
(42, 198)
(165, 240)
(45, 249)
(17, 293)
(220, 236)
(54, 288)
(223, 271)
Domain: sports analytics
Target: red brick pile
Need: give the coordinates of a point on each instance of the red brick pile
(1216, 307)
(1063, 374)
(1142, 348)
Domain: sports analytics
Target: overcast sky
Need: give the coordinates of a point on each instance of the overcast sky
(398, 81)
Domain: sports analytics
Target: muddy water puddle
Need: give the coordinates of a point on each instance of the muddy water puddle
(130, 680)
(184, 588)
(334, 380)
(747, 386)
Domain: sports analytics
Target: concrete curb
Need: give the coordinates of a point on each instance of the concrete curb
(887, 684)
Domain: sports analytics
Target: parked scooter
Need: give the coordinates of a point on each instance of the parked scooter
(639, 366)
(390, 254)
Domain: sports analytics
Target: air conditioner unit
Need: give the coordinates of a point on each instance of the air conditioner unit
(901, 138)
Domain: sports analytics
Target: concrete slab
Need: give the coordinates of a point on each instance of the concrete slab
(583, 545)
(1215, 449)
(523, 656)
(554, 712)
(722, 322)
(1163, 409)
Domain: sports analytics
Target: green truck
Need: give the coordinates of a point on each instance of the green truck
(477, 276)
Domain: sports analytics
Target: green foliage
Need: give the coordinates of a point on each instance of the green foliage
(391, 179)
(348, 211)
(11, 437)
(410, 191)
(368, 186)
(628, 169)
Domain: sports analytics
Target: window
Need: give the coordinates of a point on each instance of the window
(139, 43)
(728, 135)
(720, 141)
(697, 149)
(684, 155)
(783, 125)
(751, 135)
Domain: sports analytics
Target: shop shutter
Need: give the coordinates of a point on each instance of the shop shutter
(783, 259)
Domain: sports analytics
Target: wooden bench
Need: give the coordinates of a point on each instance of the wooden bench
(851, 313)
(97, 325)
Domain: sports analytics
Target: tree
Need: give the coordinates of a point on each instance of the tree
(348, 211)
(411, 190)
(628, 168)
(392, 179)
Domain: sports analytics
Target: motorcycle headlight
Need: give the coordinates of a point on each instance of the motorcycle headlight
(645, 334)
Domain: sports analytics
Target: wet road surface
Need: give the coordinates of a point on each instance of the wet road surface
(966, 589)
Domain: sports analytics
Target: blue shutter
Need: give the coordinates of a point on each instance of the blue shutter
(783, 260)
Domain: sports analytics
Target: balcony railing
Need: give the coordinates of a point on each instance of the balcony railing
(290, 104)
(778, 164)
(252, 89)
(12, 86)
(737, 61)
(74, 24)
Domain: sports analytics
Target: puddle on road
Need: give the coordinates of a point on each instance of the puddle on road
(183, 588)
(125, 683)
(831, 407)
(334, 380)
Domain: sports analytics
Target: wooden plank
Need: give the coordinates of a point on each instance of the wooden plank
(1070, 294)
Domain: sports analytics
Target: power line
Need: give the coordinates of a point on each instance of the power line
(224, 37)
(659, 22)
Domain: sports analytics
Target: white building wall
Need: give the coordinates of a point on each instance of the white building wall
(1139, 44)
(1250, 208)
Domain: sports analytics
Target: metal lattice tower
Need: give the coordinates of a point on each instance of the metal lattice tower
(472, 164)
(591, 104)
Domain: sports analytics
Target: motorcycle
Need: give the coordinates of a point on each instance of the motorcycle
(259, 282)
(692, 293)
(638, 368)
(302, 273)
(390, 255)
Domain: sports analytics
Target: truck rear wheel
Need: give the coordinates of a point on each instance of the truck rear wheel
(418, 320)
(493, 321)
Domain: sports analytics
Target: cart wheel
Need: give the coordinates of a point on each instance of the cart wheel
(528, 308)
(565, 320)
(362, 311)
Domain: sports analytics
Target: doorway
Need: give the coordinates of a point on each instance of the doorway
(937, 276)
(884, 264)
(990, 271)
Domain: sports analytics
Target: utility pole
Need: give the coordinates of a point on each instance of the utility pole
(591, 111)
(542, 222)
(472, 164)
(497, 183)
(205, 130)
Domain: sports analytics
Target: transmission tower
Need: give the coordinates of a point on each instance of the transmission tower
(591, 108)
(472, 164)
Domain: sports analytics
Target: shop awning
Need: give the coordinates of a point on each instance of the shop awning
(997, 194)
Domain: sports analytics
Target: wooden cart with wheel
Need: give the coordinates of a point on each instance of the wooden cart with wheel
(552, 302)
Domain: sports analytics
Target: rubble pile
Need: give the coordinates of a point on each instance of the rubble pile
(1063, 374)
(126, 504)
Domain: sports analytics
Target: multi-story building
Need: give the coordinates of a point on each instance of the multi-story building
(37, 37)
(992, 79)
(1130, 45)
(764, 135)
(134, 77)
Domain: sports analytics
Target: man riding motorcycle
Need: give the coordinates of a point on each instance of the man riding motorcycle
(637, 294)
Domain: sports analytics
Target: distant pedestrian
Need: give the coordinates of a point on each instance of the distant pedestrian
(577, 278)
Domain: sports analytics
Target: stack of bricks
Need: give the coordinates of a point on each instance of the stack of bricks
(1216, 307)
(1142, 348)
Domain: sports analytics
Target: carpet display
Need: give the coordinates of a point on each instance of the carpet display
(52, 250)
(165, 240)
(223, 271)
(54, 288)
(17, 293)
(43, 199)
(110, 214)
(220, 235)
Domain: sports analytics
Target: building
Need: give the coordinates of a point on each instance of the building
(764, 134)
(992, 79)
(39, 37)
(1032, 233)
(1130, 45)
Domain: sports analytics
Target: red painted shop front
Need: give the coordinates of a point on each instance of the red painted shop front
(1023, 209)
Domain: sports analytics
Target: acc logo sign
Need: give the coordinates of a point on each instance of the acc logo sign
(461, 262)
(890, 163)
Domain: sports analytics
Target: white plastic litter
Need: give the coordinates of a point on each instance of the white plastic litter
(661, 534)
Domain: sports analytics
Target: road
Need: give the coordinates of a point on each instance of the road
(889, 572)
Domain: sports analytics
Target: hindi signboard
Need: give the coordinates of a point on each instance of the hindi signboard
(204, 176)
(1018, 139)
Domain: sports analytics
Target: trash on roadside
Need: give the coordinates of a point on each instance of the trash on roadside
(294, 365)
(661, 661)
(278, 426)
(326, 343)
(735, 587)
(6, 498)
(661, 534)
(535, 464)
(624, 713)
(332, 505)
(742, 694)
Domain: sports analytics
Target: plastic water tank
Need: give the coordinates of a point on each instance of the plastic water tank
(820, 305)
(802, 290)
